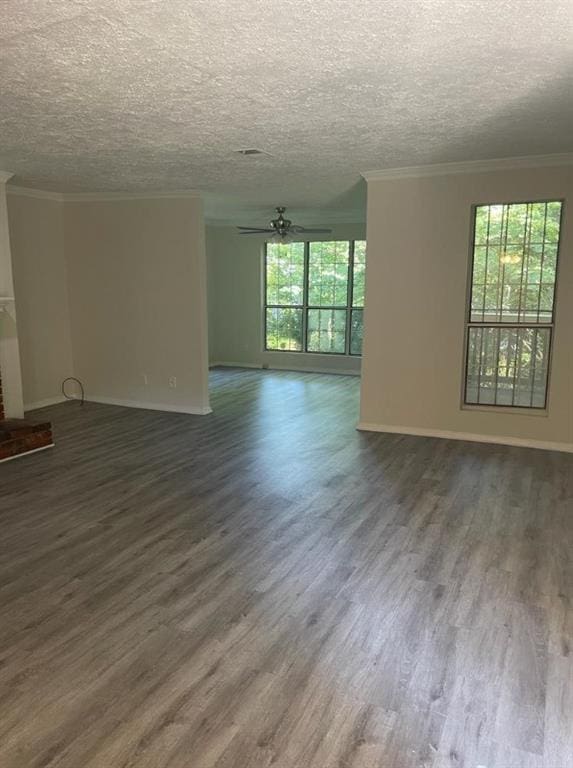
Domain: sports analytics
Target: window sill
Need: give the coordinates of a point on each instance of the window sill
(314, 354)
(512, 411)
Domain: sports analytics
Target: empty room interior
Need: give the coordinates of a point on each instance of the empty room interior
(286, 384)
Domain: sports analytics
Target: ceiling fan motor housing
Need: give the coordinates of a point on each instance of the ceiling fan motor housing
(280, 224)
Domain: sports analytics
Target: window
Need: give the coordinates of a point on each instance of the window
(314, 297)
(512, 304)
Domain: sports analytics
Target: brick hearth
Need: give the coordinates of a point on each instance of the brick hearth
(20, 436)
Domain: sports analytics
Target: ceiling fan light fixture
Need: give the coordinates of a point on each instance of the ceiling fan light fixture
(280, 227)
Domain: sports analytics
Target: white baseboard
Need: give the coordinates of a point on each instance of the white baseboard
(235, 365)
(471, 437)
(295, 369)
(27, 453)
(313, 369)
(192, 410)
(44, 403)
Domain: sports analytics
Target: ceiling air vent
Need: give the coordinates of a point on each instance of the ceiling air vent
(251, 151)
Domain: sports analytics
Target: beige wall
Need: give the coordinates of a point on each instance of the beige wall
(418, 250)
(235, 304)
(41, 291)
(138, 300)
(10, 367)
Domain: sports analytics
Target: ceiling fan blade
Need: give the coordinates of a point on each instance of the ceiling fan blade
(257, 232)
(256, 229)
(304, 229)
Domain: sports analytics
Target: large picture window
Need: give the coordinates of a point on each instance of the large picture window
(314, 297)
(512, 304)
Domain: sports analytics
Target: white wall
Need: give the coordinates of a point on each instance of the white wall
(418, 249)
(137, 287)
(41, 290)
(235, 281)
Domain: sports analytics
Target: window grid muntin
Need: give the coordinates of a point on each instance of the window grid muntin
(305, 306)
(539, 325)
(356, 308)
(333, 311)
(357, 311)
(349, 294)
(317, 260)
(525, 315)
(277, 309)
(505, 396)
(292, 263)
(361, 260)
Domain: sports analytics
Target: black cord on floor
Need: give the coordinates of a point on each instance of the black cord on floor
(72, 397)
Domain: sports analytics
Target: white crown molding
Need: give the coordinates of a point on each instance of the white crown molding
(471, 166)
(102, 197)
(88, 197)
(5, 176)
(39, 194)
(517, 442)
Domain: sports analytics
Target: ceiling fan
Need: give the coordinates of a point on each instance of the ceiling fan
(280, 228)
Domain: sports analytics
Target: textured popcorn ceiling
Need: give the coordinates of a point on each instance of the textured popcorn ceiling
(141, 95)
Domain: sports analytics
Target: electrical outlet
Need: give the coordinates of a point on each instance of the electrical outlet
(145, 380)
(173, 382)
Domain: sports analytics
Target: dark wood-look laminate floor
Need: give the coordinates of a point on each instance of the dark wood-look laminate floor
(266, 586)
